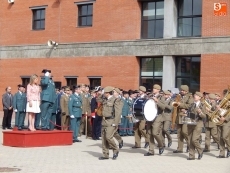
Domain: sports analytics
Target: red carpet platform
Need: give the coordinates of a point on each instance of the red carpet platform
(37, 138)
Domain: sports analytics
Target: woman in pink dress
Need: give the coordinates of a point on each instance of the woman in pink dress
(33, 100)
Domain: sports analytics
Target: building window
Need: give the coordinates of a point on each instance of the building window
(152, 19)
(151, 72)
(188, 72)
(189, 18)
(25, 81)
(57, 84)
(71, 81)
(85, 14)
(38, 19)
(94, 82)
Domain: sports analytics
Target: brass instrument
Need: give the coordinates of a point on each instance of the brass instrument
(223, 111)
(204, 101)
(175, 105)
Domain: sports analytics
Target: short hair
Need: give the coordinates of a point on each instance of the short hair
(225, 91)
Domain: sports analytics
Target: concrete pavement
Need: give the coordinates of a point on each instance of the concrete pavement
(83, 158)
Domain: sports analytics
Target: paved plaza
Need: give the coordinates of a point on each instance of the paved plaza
(83, 158)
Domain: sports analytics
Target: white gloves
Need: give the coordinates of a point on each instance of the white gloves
(15, 110)
(47, 73)
(113, 125)
(71, 116)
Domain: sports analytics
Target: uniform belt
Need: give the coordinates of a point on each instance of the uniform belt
(76, 106)
(111, 117)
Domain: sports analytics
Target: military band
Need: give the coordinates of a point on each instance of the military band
(79, 114)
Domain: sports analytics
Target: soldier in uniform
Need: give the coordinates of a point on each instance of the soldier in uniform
(48, 98)
(211, 128)
(182, 130)
(167, 117)
(140, 129)
(54, 112)
(111, 113)
(155, 131)
(19, 104)
(194, 131)
(86, 111)
(75, 112)
(64, 108)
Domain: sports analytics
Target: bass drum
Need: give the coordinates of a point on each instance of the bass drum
(150, 110)
(138, 105)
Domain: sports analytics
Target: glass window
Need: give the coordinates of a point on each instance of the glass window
(94, 82)
(152, 19)
(85, 15)
(189, 18)
(25, 81)
(151, 71)
(38, 19)
(71, 82)
(188, 72)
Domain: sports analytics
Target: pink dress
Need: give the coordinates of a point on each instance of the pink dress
(33, 95)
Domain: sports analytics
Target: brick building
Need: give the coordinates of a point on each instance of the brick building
(122, 43)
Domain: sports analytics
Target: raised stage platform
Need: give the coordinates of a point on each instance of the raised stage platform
(37, 138)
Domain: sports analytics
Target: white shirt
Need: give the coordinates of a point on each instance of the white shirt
(142, 96)
(197, 103)
(109, 97)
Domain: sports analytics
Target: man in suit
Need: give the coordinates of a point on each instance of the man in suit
(64, 102)
(75, 111)
(48, 97)
(7, 102)
(111, 113)
(19, 104)
(197, 113)
(182, 130)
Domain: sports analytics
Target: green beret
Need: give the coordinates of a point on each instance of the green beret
(142, 88)
(156, 86)
(199, 94)
(117, 90)
(108, 89)
(184, 87)
(212, 96)
(166, 92)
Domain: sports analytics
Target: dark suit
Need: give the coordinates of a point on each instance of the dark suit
(19, 104)
(93, 104)
(7, 102)
(48, 98)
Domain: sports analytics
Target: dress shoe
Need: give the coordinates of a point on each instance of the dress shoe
(220, 157)
(146, 145)
(176, 151)
(76, 140)
(37, 128)
(200, 156)
(44, 129)
(121, 144)
(148, 154)
(169, 144)
(228, 154)
(161, 150)
(98, 139)
(19, 128)
(134, 147)
(9, 127)
(206, 150)
(115, 156)
(3, 128)
(103, 158)
(187, 150)
(190, 158)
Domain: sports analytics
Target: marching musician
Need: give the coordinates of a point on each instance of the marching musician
(182, 131)
(197, 112)
(111, 113)
(140, 125)
(156, 126)
(224, 130)
(211, 128)
(167, 117)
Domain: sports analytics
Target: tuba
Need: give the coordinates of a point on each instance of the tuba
(204, 101)
(175, 105)
(223, 111)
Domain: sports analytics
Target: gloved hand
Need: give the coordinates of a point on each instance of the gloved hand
(47, 73)
(113, 125)
(71, 116)
(15, 110)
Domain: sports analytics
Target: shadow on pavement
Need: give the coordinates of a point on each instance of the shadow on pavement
(95, 154)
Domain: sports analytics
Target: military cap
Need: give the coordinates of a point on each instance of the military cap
(142, 88)
(21, 86)
(117, 90)
(212, 96)
(184, 87)
(156, 86)
(45, 70)
(199, 94)
(136, 91)
(125, 92)
(166, 92)
(218, 94)
(108, 89)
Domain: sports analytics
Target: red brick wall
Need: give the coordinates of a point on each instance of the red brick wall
(112, 20)
(215, 73)
(215, 25)
(120, 72)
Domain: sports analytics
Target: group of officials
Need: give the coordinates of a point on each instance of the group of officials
(108, 113)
